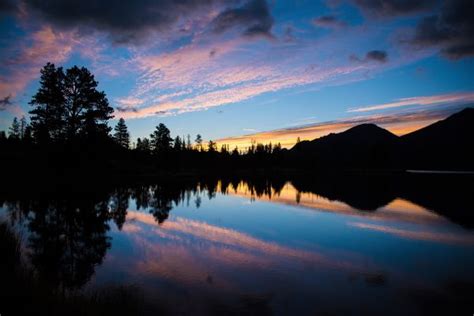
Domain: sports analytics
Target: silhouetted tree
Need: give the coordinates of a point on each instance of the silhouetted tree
(143, 145)
(276, 148)
(121, 135)
(87, 110)
(211, 146)
(14, 131)
(23, 126)
(27, 135)
(225, 149)
(188, 143)
(161, 139)
(235, 152)
(68, 105)
(198, 142)
(3, 136)
(48, 114)
(178, 144)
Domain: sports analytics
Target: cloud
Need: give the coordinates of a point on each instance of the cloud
(432, 236)
(5, 102)
(421, 100)
(373, 55)
(377, 55)
(7, 6)
(126, 109)
(451, 30)
(125, 21)
(253, 17)
(130, 102)
(329, 21)
(234, 85)
(32, 53)
(390, 8)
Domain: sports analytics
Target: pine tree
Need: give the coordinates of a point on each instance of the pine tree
(143, 145)
(47, 115)
(212, 146)
(68, 105)
(121, 135)
(177, 146)
(14, 131)
(198, 142)
(23, 126)
(188, 143)
(161, 139)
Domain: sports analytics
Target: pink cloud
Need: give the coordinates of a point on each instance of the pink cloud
(421, 100)
(434, 236)
(40, 47)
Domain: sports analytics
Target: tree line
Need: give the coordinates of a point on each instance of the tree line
(69, 111)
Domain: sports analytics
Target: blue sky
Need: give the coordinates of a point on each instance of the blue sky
(248, 67)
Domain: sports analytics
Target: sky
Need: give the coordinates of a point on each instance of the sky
(238, 71)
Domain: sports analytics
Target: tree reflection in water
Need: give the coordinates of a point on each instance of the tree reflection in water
(68, 232)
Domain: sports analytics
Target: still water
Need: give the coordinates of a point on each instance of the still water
(267, 247)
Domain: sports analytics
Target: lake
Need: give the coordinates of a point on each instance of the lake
(259, 246)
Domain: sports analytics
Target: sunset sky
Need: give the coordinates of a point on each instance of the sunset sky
(268, 70)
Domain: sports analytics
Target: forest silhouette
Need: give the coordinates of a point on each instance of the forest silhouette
(69, 133)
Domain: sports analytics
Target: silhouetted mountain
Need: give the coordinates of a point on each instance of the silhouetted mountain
(365, 145)
(447, 144)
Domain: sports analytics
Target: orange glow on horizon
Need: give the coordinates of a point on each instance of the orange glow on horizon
(287, 137)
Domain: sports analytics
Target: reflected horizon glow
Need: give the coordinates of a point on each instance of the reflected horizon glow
(190, 247)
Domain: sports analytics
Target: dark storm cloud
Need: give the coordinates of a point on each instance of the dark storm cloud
(253, 17)
(393, 7)
(7, 5)
(329, 21)
(373, 55)
(125, 20)
(452, 30)
(5, 102)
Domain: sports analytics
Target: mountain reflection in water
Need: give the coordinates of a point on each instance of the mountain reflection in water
(260, 245)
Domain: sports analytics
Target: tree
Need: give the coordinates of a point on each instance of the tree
(161, 139)
(177, 146)
(121, 135)
(87, 110)
(212, 146)
(23, 127)
(235, 152)
(188, 143)
(225, 149)
(27, 136)
(143, 145)
(276, 148)
(15, 131)
(198, 142)
(68, 105)
(47, 116)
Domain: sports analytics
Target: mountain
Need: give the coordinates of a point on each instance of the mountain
(445, 145)
(365, 145)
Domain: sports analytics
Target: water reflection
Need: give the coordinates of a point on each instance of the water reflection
(66, 238)
(271, 243)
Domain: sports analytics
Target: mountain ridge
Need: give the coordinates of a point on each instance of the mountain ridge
(447, 143)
